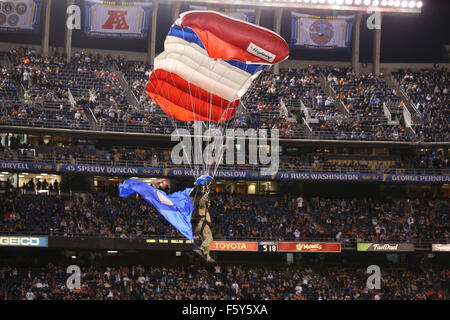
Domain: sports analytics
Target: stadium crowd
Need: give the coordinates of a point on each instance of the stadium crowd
(234, 217)
(15, 150)
(394, 220)
(429, 91)
(222, 282)
(273, 101)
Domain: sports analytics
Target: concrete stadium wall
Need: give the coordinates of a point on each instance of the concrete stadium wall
(142, 56)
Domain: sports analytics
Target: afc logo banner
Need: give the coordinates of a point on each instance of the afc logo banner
(116, 20)
(109, 20)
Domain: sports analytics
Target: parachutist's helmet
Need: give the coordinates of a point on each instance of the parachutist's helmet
(201, 185)
(204, 180)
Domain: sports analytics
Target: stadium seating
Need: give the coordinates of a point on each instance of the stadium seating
(429, 92)
(235, 217)
(237, 282)
(295, 101)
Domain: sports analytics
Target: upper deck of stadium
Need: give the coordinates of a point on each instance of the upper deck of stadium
(71, 83)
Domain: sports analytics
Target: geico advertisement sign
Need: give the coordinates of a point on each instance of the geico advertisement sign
(233, 246)
(24, 241)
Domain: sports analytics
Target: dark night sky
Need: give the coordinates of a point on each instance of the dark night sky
(404, 38)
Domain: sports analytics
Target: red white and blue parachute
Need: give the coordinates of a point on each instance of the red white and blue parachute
(208, 63)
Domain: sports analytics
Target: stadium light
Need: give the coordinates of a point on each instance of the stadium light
(403, 6)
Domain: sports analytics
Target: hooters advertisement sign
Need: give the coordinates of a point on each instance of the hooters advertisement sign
(308, 247)
(120, 19)
(233, 246)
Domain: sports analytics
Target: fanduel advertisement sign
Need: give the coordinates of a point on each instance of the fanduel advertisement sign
(385, 247)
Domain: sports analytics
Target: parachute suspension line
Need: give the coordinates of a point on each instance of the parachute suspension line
(240, 110)
(175, 125)
(195, 164)
(224, 143)
(216, 128)
(225, 126)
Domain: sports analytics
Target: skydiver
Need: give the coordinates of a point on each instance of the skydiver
(199, 196)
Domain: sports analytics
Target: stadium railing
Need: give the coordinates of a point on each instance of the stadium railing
(105, 127)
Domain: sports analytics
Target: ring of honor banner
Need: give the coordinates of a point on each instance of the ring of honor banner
(118, 19)
(333, 32)
(237, 13)
(20, 15)
(223, 174)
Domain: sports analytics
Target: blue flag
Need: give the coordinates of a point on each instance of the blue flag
(176, 208)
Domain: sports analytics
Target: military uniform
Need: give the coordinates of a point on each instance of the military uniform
(204, 225)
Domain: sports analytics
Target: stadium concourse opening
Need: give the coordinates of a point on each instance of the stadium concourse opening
(348, 99)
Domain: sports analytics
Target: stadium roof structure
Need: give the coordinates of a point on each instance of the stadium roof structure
(374, 9)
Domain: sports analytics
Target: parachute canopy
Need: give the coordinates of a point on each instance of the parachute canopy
(208, 64)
